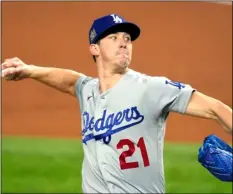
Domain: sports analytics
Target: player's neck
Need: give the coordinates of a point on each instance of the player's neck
(109, 77)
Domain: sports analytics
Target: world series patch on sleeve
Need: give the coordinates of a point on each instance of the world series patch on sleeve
(216, 156)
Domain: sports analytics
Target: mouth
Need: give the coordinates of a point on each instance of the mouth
(122, 53)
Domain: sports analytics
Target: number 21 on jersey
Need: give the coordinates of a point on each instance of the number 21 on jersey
(130, 151)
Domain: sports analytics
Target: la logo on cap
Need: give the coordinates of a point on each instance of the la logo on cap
(116, 18)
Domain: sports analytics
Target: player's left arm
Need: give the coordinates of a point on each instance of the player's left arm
(201, 105)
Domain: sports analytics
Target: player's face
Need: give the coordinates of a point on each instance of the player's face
(116, 49)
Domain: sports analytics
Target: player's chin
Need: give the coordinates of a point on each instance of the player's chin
(124, 63)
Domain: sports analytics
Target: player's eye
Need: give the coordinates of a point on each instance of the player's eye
(128, 38)
(113, 37)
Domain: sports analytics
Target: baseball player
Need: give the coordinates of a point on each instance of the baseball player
(123, 112)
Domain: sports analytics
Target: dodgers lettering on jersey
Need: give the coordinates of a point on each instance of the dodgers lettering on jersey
(110, 123)
(123, 135)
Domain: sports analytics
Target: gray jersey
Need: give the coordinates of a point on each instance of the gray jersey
(123, 132)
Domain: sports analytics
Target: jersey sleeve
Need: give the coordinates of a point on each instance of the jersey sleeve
(79, 89)
(170, 96)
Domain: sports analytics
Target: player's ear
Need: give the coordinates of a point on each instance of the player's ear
(94, 49)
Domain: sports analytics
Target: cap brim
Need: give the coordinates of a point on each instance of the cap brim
(132, 29)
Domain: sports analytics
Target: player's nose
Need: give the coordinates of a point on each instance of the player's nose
(122, 43)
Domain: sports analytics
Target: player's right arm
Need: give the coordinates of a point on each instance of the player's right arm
(63, 80)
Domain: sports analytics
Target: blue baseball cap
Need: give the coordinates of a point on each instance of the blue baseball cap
(105, 25)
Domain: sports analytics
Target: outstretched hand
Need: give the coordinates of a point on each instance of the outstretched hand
(15, 69)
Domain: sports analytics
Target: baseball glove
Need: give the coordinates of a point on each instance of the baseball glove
(216, 156)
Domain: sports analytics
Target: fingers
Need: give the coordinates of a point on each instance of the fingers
(8, 64)
(12, 62)
(9, 72)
